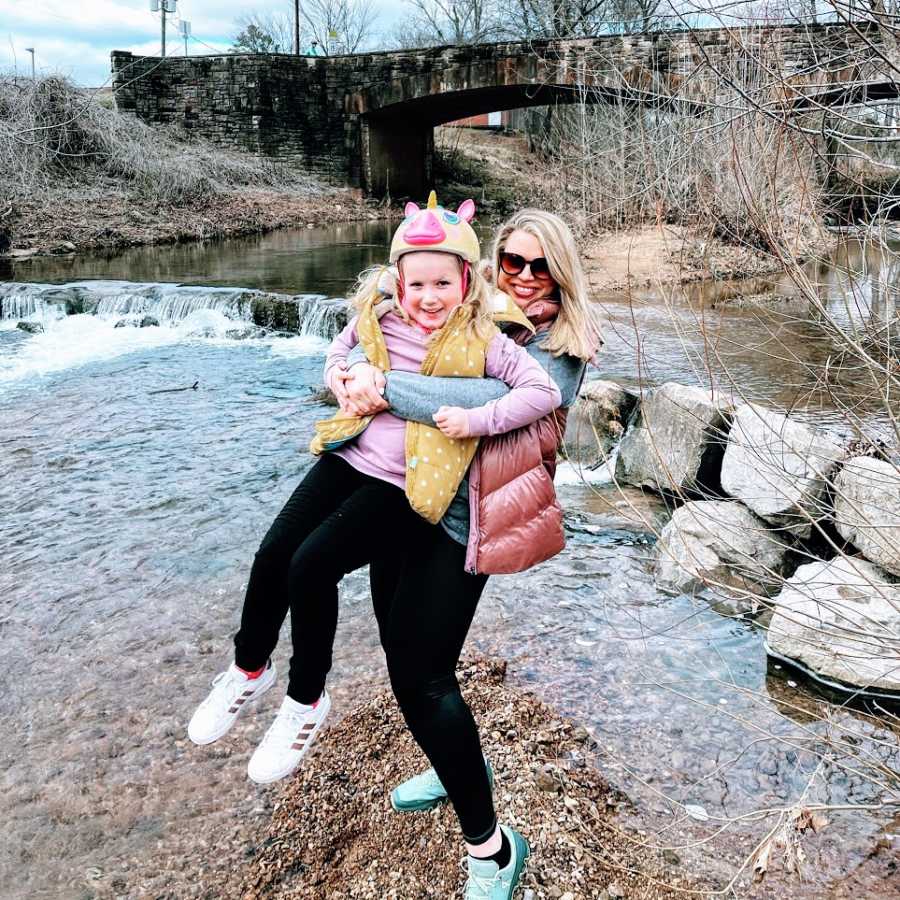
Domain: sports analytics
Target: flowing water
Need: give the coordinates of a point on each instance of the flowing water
(139, 468)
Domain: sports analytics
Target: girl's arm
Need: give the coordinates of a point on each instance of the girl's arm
(533, 393)
(339, 350)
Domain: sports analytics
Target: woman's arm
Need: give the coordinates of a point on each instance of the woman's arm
(418, 397)
(567, 371)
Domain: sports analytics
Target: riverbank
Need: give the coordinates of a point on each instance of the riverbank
(332, 833)
(664, 256)
(73, 221)
(501, 169)
(109, 181)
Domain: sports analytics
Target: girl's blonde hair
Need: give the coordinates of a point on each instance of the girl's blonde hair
(477, 296)
(575, 330)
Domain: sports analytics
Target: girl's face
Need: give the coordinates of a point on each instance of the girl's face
(432, 287)
(535, 296)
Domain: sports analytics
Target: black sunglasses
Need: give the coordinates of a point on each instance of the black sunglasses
(513, 264)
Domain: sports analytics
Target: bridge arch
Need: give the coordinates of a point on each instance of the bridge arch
(397, 139)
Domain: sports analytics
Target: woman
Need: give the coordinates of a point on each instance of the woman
(537, 265)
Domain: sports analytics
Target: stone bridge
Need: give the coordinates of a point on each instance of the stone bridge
(368, 119)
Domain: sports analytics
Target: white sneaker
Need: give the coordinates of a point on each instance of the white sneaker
(232, 691)
(287, 740)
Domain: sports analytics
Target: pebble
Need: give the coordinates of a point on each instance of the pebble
(544, 781)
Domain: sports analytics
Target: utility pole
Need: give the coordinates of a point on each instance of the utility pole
(163, 7)
(296, 27)
(31, 51)
(185, 27)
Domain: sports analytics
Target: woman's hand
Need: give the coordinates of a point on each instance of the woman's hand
(359, 391)
(453, 421)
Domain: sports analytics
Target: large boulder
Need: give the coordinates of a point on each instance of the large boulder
(779, 467)
(721, 545)
(596, 422)
(675, 442)
(841, 619)
(867, 509)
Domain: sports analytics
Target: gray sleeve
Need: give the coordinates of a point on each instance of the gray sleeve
(417, 398)
(567, 371)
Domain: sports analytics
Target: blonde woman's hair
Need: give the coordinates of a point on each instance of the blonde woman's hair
(478, 296)
(575, 330)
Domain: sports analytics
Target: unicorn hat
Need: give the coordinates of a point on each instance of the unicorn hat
(437, 229)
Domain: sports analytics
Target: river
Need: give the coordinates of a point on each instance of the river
(131, 512)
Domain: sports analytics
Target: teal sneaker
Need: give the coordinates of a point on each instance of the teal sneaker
(425, 791)
(489, 882)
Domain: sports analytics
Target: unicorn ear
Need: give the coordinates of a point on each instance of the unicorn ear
(466, 210)
(410, 209)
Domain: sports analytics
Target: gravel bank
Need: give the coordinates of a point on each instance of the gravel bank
(333, 834)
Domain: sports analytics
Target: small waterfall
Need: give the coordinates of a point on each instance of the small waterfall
(169, 303)
(321, 317)
(30, 301)
(311, 315)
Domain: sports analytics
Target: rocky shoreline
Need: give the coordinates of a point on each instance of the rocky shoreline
(756, 493)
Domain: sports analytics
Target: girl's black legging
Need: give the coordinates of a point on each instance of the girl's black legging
(336, 521)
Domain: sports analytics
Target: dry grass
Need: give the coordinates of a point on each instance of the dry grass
(53, 135)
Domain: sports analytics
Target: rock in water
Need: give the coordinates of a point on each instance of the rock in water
(779, 468)
(722, 545)
(149, 322)
(842, 620)
(867, 509)
(323, 395)
(597, 421)
(30, 327)
(676, 441)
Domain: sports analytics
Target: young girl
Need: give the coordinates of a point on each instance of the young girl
(356, 505)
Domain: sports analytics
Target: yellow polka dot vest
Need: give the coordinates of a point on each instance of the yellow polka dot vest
(435, 464)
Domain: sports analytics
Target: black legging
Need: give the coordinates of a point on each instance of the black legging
(336, 521)
(424, 603)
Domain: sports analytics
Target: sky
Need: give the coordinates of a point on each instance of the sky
(75, 38)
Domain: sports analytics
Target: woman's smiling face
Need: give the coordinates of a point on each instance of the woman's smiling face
(532, 295)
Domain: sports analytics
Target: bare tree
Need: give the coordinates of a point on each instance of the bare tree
(633, 16)
(439, 22)
(264, 33)
(339, 26)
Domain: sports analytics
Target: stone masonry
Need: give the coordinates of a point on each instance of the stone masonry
(368, 119)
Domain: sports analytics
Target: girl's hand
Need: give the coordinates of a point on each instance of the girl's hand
(364, 386)
(453, 421)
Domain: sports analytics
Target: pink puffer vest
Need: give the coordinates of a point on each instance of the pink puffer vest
(516, 520)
